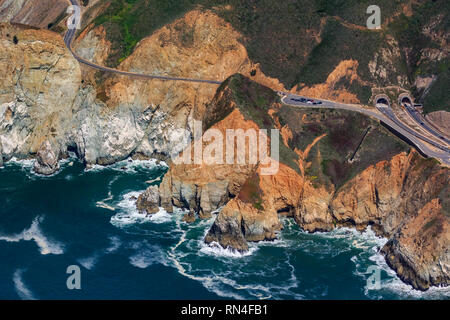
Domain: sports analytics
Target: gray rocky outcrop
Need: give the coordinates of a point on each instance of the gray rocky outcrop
(148, 202)
(46, 159)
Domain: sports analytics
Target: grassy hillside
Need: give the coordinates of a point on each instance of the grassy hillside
(433, 16)
(278, 34)
(302, 41)
(344, 131)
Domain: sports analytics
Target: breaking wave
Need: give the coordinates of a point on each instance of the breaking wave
(115, 244)
(20, 287)
(215, 249)
(392, 284)
(231, 274)
(147, 255)
(45, 244)
(27, 166)
(89, 262)
(129, 215)
(129, 166)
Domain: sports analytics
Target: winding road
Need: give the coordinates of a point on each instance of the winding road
(68, 39)
(384, 113)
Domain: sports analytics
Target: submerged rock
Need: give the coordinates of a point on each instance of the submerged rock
(148, 202)
(189, 217)
(46, 159)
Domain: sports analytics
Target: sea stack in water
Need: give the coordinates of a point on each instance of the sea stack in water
(148, 202)
(46, 159)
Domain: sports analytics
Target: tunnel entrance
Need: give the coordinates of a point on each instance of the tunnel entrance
(383, 101)
(406, 102)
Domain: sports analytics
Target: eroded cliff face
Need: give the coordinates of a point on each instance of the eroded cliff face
(388, 193)
(39, 85)
(109, 118)
(93, 46)
(419, 250)
(199, 45)
(44, 98)
(406, 200)
(393, 196)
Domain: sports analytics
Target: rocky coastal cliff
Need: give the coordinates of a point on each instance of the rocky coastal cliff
(401, 195)
(47, 95)
(50, 105)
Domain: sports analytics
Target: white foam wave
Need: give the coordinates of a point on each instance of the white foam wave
(89, 262)
(45, 244)
(147, 255)
(115, 244)
(215, 249)
(394, 285)
(232, 279)
(27, 165)
(129, 215)
(104, 202)
(101, 204)
(370, 244)
(23, 163)
(20, 287)
(129, 165)
(143, 260)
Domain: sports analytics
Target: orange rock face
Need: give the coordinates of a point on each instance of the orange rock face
(203, 188)
(389, 192)
(418, 251)
(346, 69)
(198, 45)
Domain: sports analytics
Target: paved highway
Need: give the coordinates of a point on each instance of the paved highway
(68, 39)
(387, 111)
(423, 122)
(385, 115)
